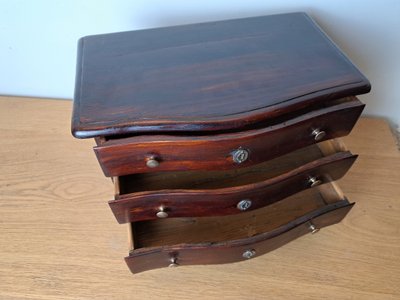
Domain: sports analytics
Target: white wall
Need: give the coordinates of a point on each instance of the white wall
(38, 37)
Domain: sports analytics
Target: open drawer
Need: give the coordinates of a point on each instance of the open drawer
(217, 240)
(216, 193)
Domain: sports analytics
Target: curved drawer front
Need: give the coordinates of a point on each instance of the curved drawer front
(237, 250)
(143, 154)
(231, 200)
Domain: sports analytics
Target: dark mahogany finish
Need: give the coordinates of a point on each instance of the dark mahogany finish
(143, 259)
(168, 109)
(207, 77)
(214, 152)
(199, 202)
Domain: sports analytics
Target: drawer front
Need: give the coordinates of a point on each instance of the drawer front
(143, 154)
(238, 250)
(226, 201)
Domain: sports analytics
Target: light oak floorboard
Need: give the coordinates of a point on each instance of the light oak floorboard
(59, 239)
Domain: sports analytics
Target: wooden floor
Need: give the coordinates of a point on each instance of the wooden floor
(59, 239)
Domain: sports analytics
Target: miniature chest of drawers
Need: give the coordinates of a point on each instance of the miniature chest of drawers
(222, 138)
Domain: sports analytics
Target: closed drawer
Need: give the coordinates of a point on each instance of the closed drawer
(217, 240)
(217, 193)
(149, 153)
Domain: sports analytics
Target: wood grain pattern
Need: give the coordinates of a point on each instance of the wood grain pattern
(211, 245)
(60, 241)
(191, 230)
(203, 194)
(214, 152)
(205, 77)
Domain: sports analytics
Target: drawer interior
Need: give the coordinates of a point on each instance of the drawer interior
(228, 178)
(174, 231)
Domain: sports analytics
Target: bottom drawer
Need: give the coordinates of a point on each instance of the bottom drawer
(217, 240)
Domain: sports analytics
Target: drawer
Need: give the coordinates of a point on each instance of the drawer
(224, 151)
(150, 196)
(217, 240)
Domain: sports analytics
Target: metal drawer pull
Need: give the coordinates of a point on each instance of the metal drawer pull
(249, 253)
(240, 155)
(244, 204)
(162, 214)
(312, 227)
(173, 263)
(152, 162)
(318, 134)
(314, 181)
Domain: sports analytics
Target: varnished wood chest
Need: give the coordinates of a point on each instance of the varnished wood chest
(222, 138)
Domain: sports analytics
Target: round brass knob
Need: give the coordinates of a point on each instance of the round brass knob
(244, 204)
(312, 228)
(152, 162)
(162, 214)
(249, 253)
(173, 263)
(240, 155)
(318, 134)
(314, 181)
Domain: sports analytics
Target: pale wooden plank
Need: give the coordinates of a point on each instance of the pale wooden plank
(59, 239)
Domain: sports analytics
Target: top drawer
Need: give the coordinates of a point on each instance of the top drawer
(148, 153)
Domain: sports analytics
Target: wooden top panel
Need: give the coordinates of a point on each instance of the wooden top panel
(211, 76)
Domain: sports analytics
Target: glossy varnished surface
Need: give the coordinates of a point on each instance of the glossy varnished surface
(206, 180)
(214, 152)
(53, 209)
(229, 252)
(208, 230)
(224, 239)
(187, 194)
(210, 76)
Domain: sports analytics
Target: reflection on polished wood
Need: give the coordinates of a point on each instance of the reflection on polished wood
(60, 241)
